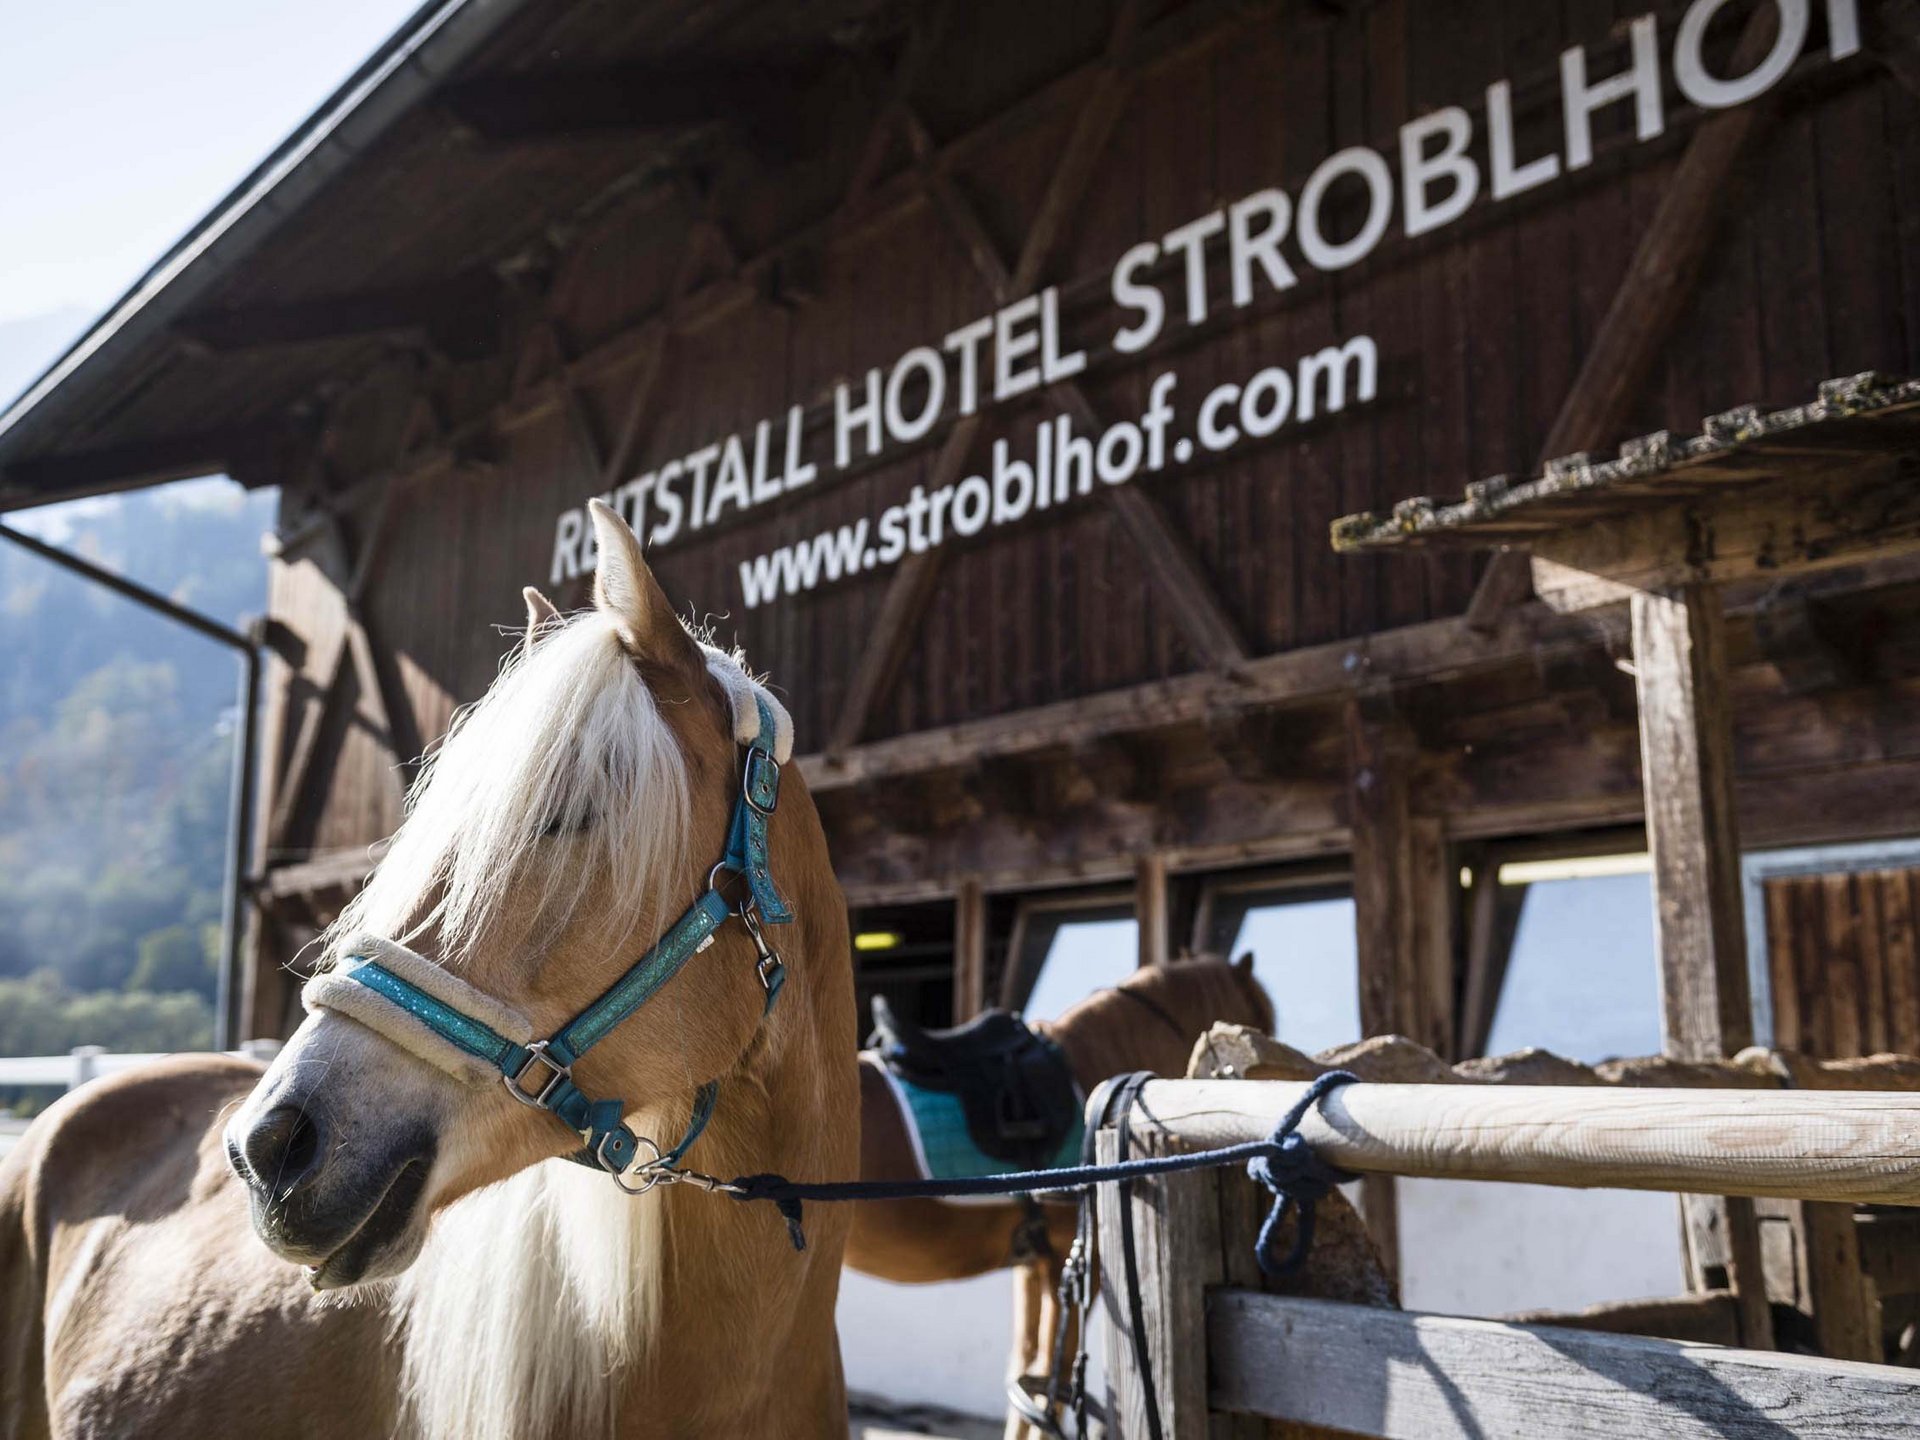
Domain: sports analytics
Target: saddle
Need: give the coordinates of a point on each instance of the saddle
(1014, 1086)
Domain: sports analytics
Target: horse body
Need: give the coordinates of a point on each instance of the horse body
(460, 1279)
(118, 1203)
(1151, 1021)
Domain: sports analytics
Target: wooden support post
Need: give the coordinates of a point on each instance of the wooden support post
(1150, 909)
(969, 951)
(1846, 1307)
(1706, 1008)
(1402, 900)
(1403, 887)
(1176, 1244)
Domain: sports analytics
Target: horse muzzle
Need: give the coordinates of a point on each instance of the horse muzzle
(346, 1208)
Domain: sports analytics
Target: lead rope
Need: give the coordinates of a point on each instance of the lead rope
(1283, 1163)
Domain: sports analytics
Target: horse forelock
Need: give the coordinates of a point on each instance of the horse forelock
(569, 739)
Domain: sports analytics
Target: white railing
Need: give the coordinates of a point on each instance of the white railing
(90, 1062)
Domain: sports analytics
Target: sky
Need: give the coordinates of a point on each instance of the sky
(122, 122)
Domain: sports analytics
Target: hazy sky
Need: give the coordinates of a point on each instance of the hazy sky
(122, 122)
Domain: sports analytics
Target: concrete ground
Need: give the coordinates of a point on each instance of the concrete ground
(875, 1419)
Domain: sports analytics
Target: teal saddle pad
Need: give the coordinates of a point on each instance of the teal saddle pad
(947, 1149)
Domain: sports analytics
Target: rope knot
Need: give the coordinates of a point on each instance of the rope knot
(1296, 1177)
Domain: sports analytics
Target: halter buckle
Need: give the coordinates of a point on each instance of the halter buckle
(760, 781)
(537, 1052)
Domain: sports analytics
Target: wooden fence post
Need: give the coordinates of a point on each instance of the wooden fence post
(1176, 1235)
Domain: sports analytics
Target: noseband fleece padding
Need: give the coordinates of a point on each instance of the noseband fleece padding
(394, 1019)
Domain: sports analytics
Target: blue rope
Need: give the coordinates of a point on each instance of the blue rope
(1283, 1162)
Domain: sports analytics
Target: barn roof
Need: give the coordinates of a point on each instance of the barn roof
(406, 204)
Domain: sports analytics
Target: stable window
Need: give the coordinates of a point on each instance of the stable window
(1583, 978)
(1064, 948)
(1299, 928)
(1560, 955)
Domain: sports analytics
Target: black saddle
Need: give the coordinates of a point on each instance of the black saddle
(1014, 1086)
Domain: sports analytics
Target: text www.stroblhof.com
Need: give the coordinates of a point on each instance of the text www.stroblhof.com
(1058, 467)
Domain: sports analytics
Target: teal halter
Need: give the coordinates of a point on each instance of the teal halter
(540, 1074)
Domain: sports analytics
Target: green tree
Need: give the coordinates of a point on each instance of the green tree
(174, 959)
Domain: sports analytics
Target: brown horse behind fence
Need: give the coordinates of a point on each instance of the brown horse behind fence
(1150, 1021)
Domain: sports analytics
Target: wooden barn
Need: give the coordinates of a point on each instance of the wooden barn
(996, 374)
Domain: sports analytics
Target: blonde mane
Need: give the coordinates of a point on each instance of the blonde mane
(530, 1301)
(532, 1296)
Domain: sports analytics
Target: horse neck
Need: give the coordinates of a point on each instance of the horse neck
(743, 1320)
(1109, 1034)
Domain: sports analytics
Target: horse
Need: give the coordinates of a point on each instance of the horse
(432, 1263)
(1150, 1021)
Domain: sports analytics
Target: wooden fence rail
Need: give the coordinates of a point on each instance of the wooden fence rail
(1227, 1358)
(1858, 1147)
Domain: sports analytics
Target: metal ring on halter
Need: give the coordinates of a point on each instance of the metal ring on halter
(652, 1170)
(743, 906)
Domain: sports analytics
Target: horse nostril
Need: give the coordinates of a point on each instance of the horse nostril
(283, 1149)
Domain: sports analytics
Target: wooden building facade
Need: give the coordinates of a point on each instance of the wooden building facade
(993, 374)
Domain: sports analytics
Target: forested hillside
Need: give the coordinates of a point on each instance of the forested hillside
(115, 753)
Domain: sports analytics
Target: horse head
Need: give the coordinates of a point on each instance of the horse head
(570, 816)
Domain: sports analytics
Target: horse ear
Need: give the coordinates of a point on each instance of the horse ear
(540, 613)
(625, 591)
(1245, 963)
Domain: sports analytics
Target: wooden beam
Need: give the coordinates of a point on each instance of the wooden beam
(345, 869)
(1855, 509)
(547, 108)
(1430, 1377)
(1150, 909)
(1312, 675)
(252, 454)
(1389, 895)
(969, 951)
(1846, 1307)
(1171, 564)
(1650, 301)
(914, 583)
(1686, 748)
(1493, 919)
(462, 317)
(1402, 885)
(1706, 1010)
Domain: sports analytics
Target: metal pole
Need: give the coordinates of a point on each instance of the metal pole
(132, 589)
(240, 793)
(226, 1023)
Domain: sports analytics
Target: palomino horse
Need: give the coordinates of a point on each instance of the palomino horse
(1150, 1021)
(460, 1279)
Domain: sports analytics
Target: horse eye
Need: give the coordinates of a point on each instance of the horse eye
(570, 823)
